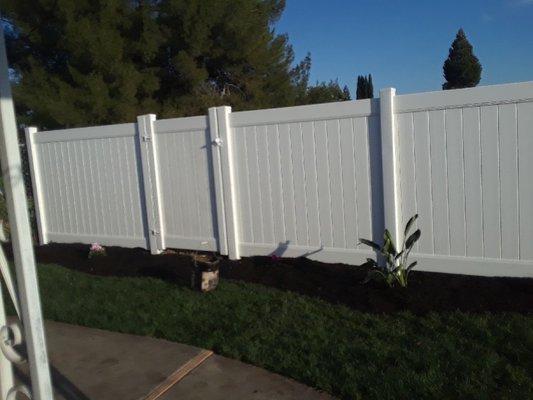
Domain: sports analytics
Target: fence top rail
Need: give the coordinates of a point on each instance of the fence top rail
(470, 97)
(187, 124)
(313, 112)
(93, 132)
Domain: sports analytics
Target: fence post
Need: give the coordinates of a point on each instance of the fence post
(216, 142)
(390, 164)
(35, 171)
(150, 182)
(225, 180)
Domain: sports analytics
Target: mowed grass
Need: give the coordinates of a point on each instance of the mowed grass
(349, 354)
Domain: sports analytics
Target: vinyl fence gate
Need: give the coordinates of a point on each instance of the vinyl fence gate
(304, 181)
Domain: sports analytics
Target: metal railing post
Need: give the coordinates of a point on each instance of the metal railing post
(17, 206)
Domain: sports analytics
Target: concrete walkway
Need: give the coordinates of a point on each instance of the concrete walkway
(100, 365)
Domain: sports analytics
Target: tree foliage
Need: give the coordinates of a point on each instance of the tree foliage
(365, 88)
(462, 68)
(80, 62)
(325, 92)
(300, 79)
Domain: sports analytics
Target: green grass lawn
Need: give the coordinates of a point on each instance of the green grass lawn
(330, 347)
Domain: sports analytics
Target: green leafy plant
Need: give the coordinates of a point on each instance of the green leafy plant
(393, 269)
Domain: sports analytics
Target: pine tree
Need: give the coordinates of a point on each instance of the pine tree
(300, 79)
(462, 68)
(81, 62)
(370, 88)
(365, 88)
(360, 89)
(346, 93)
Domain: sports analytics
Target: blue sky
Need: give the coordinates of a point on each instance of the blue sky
(404, 43)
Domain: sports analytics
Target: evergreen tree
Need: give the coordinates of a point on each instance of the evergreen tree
(320, 93)
(360, 89)
(462, 68)
(86, 62)
(370, 87)
(365, 88)
(300, 79)
(346, 93)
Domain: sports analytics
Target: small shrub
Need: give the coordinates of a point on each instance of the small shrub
(96, 250)
(394, 269)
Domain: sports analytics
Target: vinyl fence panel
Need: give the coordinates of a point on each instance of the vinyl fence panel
(91, 190)
(187, 195)
(461, 167)
(305, 181)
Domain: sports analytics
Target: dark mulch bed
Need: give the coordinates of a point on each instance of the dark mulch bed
(337, 283)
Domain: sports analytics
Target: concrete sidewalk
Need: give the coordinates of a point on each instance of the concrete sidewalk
(100, 365)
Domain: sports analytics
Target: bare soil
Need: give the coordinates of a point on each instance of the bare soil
(336, 283)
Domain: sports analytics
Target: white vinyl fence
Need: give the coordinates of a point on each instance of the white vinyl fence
(305, 181)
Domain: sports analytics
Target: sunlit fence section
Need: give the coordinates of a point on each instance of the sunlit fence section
(305, 181)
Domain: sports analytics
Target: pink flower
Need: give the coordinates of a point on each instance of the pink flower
(95, 247)
(96, 250)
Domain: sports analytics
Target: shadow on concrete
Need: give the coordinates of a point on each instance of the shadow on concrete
(62, 385)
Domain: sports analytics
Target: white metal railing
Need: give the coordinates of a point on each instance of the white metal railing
(10, 334)
(27, 301)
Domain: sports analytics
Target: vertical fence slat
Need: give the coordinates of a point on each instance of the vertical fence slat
(323, 177)
(456, 190)
(509, 181)
(298, 175)
(337, 189)
(150, 181)
(363, 179)
(246, 228)
(490, 166)
(422, 188)
(439, 182)
(404, 124)
(309, 151)
(473, 190)
(287, 181)
(263, 160)
(348, 176)
(525, 181)
(275, 179)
